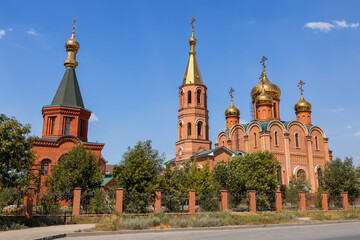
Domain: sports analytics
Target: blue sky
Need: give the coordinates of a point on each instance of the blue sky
(133, 55)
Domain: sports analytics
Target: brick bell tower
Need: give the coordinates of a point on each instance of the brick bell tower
(193, 119)
(66, 119)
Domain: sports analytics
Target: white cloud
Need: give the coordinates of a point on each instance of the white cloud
(242, 121)
(322, 26)
(93, 118)
(337, 109)
(2, 33)
(32, 31)
(357, 134)
(10, 29)
(349, 127)
(327, 26)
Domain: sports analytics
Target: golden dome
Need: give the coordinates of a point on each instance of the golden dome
(264, 98)
(270, 88)
(232, 111)
(192, 40)
(302, 105)
(72, 44)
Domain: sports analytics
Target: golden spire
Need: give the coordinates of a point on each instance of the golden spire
(72, 46)
(232, 110)
(302, 105)
(192, 72)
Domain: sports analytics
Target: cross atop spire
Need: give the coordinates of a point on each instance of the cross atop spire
(73, 31)
(300, 86)
(231, 93)
(192, 23)
(263, 60)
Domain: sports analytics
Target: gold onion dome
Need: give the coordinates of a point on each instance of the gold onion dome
(302, 105)
(272, 89)
(264, 98)
(192, 40)
(232, 111)
(72, 44)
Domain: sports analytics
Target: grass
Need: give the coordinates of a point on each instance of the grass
(16, 223)
(225, 218)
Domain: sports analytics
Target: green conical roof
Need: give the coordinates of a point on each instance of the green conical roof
(68, 93)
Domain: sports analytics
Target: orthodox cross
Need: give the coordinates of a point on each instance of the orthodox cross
(263, 60)
(73, 32)
(192, 23)
(300, 86)
(231, 92)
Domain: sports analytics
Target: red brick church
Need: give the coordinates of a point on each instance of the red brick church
(66, 119)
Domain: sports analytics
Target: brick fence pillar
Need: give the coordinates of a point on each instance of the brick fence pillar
(76, 202)
(192, 202)
(345, 200)
(302, 201)
(278, 201)
(224, 200)
(324, 202)
(30, 202)
(252, 200)
(157, 204)
(119, 200)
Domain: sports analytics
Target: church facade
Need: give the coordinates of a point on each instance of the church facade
(65, 119)
(299, 146)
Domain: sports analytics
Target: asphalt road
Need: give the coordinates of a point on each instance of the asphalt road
(343, 231)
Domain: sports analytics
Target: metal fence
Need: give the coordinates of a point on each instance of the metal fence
(265, 202)
(53, 204)
(12, 202)
(97, 202)
(138, 202)
(354, 202)
(238, 202)
(175, 202)
(207, 202)
(290, 201)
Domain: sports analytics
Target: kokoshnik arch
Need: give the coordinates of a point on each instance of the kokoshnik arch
(299, 146)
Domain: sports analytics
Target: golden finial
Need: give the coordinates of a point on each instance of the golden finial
(300, 86)
(72, 46)
(192, 23)
(263, 60)
(231, 93)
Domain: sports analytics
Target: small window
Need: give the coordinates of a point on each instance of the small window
(189, 129)
(45, 168)
(181, 98)
(319, 173)
(198, 96)
(278, 173)
(301, 174)
(316, 143)
(67, 125)
(255, 143)
(297, 140)
(52, 122)
(276, 139)
(199, 129)
(189, 96)
(274, 106)
(181, 131)
(82, 128)
(180, 154)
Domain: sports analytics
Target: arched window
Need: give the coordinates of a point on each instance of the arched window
(45, 168)
(180, 154)
(199, 128)
(198, 96)
(189, 96)
(278, 174)
(181, 98)
(274, 106)
(276, 138)
(180, 130)
(301, 174)
(255, 143)
(223, 143)
(319, 173)
(297, 140)
(316, 144)
(189, 129)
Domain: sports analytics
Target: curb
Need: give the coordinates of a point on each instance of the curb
(100, 233)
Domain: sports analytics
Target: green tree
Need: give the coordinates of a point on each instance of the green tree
(78, 168)
(138, 173)
(341, 177)
(296, 185)
(171, 188)
(16, 155)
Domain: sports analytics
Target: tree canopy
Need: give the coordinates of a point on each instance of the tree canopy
(16, 155)
(77, 168)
